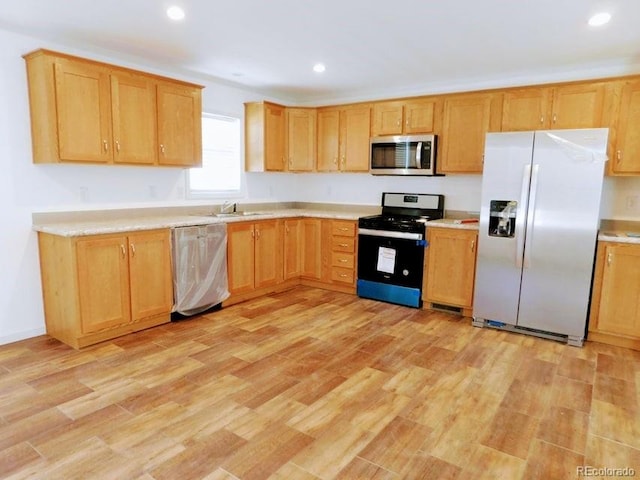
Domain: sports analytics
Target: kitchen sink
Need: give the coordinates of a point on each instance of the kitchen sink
(239, 214)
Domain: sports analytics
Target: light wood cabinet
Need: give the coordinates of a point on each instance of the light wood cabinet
(265, 125)
(580, 105)
(134, 116)
(311, 248)
(450, 266)
(466, 120)
(343, 252)
(615, 304)
(405, 117)
(103, 286)
(179, 125)
(254, 255)
(301, 139)
(343, 139)
(626, 150)
(292, 248)
(86, 111)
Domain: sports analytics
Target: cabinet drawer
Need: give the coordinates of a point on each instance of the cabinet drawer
(344, 228)
(342, 275)
(343, 244)
(344, 260)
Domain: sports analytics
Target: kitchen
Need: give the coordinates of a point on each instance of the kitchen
(28, 188)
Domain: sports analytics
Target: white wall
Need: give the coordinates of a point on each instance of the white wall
(26, 188)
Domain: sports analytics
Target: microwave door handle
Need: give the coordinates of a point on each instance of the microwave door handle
(419, 155)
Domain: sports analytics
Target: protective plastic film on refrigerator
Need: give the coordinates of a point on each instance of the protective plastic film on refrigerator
(539, 219)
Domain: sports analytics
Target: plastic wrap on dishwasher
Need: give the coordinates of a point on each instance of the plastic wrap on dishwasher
(199, 267)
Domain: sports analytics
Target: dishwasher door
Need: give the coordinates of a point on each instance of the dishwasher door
(199, 267)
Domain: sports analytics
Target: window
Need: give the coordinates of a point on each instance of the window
(220, 171)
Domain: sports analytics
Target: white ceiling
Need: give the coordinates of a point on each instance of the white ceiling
(372, 48)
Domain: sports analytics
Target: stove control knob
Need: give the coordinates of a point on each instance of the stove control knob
(405, 272)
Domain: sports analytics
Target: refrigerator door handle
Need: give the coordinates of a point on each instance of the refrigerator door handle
(521, 214)
(531, 208)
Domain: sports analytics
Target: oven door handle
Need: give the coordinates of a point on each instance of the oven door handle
(390, 234)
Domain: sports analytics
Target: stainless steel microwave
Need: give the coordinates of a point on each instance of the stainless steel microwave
(403, 155)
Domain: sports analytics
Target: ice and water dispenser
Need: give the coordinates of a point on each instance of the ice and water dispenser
(502, 218)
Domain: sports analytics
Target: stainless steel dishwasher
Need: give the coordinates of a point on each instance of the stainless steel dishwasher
(199, 256)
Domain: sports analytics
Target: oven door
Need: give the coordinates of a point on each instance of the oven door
(390, 266)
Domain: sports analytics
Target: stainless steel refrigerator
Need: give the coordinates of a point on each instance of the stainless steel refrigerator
(539, 219)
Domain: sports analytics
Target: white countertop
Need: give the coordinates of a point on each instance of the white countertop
(616, 236)
(453, 223)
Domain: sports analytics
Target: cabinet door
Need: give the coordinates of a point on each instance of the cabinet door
(328, 140)
(240, 257)
(179, 125)
(626, 158)
(620, 296)
(301, 139)
(311, 248)
(466, 121)
(103, 282)
(268, 254)
(150, 276)
(274, 126)
(526, 109)
(326, 242)
(292, 248)
(133, 100)
(387, 118)
(578, 106)
(451, 266)
(419, 116)
(83, 104)
(355, 127)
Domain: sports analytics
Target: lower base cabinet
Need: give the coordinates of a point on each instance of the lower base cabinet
(450, 267)
(615, 304)
(103, 286)
(254, 255)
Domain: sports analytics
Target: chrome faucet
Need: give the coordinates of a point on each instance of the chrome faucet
(228, 207)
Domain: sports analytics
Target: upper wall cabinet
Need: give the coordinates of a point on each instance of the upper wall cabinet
(300, 141)
(567, 106)
(91, 112)
(343, 138)
(264, 137)
(625, 159)
(405, 117)
(466, 120)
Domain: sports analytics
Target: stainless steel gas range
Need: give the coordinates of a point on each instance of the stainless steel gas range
(391, 247)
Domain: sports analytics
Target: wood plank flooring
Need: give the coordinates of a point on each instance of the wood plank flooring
(312, 384)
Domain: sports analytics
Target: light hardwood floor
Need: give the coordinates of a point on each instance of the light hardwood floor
(312, 384)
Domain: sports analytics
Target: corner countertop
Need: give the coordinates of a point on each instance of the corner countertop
(619, 237)
(119, 225)
(461, 224)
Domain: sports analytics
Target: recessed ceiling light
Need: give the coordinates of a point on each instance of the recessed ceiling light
(599, 19)
(175, 13)
(319, 68)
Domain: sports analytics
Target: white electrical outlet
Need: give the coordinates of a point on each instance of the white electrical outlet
(84, 194)
(632, 203)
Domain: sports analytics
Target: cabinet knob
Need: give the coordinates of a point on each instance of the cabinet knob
(123, 250)
(162, 148)
(106, 145)
(117, 146)
(344, 245)
(473, 245)
(618, 156)
(542, 119)
(609, 257)
(133, 249)
(555, 118)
